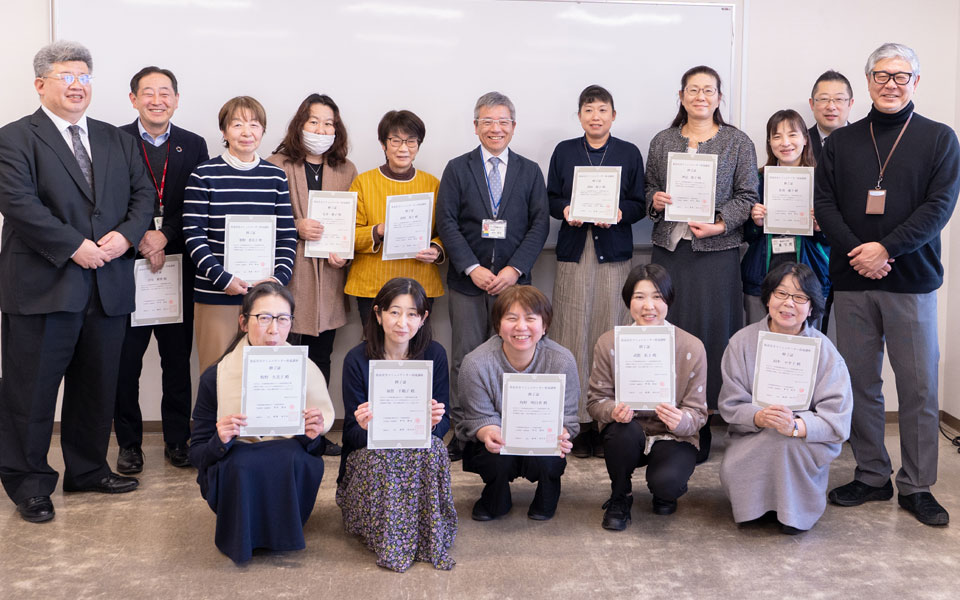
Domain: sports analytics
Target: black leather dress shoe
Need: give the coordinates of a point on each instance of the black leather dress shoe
(480, 513)
(108, 484)
(177, 455)
(130, 460)
(924, 507)
(37, 509)
(856, 493)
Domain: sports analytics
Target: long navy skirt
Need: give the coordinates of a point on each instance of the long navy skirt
(263, 494)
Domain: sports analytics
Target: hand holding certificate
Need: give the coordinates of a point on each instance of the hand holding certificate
(645, 366)
(408, 225)
(692, 185)
(596, 194)
(249, 245)
(273, 392)
(532, 414)
(159, 296)
(786, 370)
(400, 404)
(337, 211)
(788, 197)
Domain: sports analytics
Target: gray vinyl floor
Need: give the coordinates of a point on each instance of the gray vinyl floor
(157, 542)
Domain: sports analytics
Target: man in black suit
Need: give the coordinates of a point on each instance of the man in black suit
(493, 218)
(76, 200)
(170, 154)
(830, 101)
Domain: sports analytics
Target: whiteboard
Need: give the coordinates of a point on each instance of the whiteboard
(434, 57)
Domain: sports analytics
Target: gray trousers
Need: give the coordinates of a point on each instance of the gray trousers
(908, 324)
(470, 326)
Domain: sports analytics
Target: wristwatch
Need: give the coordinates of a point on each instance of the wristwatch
(796, 429)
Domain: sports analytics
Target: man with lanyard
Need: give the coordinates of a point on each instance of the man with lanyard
(885, 188)
(170, 154)
(830, 100)
(493, 218)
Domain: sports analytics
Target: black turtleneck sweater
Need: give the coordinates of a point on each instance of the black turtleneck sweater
(922, 182)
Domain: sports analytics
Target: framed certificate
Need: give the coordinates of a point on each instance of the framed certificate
(399, 395)
(408, 225)
(596, 194)
(273, 391)
(337, 211)
(692, 185)
(249, 245)
(159, 296)
(786, 370)
(646, 370)
(788, 196)
(532, 413)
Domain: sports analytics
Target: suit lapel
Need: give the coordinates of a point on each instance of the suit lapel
(100, 148)
(175, 155)
(475, 163)
(47, 132)
(508, 185)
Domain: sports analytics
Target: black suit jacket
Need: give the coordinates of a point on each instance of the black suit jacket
(463, 202)
(49, 210)
(187, 150)
(815, 142)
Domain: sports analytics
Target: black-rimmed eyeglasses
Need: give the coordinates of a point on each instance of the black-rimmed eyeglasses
(899, 78)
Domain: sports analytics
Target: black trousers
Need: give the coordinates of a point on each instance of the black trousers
(38, 351)
(497, 471)
(319, 348)
(669, 464)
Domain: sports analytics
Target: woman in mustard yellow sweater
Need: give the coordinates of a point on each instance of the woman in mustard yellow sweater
(400, 134)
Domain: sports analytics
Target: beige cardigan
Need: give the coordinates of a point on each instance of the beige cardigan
(317, 287)
(691, 361)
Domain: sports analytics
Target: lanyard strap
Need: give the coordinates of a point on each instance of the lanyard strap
(163, 178)
(883, 167)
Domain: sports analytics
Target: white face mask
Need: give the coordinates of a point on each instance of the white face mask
(317, 143)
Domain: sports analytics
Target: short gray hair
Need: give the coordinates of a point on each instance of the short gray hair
(58, 52)
(892, 50)
(492, 99)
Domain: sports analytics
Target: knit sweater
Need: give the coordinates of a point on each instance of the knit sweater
(216, 190)
(922, 181)
(481, 384)
(369, 271)
(736, 183)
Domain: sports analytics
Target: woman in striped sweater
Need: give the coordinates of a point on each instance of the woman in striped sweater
(237, 182)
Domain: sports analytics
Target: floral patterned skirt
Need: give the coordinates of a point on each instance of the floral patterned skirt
(400, 503)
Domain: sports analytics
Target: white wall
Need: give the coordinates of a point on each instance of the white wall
(786, 45)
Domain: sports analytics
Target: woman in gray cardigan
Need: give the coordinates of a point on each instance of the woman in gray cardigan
(703, 259)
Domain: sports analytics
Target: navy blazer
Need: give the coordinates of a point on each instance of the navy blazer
(187, 150)
(815, 142)
(49, 211)
(463, 202)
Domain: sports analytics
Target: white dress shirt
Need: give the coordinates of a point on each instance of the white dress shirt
(62, 126)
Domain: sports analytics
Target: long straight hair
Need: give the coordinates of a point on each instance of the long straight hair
(681, 117)
(373, 331)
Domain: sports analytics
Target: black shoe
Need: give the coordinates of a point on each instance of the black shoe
(455, 452)
(110, 483)
(924, 507)
(130, 460)
(480, 512)
(539, 515)
(617, 515)
(856, 493)
(582, 448)
(332, 449)
(36, 510)
(787, 530)
(177, 455)
(664, 507)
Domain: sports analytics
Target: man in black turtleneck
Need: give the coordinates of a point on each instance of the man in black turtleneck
(884, 227)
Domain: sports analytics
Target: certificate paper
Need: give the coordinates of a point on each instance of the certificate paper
(408, 225)
(273, 393)
(159, 296)
(337, 212)
(788, 196)
(249, 244)
(532, 413)
(692, 185)
(786, 370)
(596, 194)
(646, 371)
(399, 396)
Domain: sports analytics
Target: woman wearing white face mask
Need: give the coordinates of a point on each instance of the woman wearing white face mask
(314, 156)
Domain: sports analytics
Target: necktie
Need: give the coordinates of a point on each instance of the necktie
(83, 159)
(496, 184)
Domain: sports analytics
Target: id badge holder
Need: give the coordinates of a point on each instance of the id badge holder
(783, 245)
(876, 201)
(494, 229)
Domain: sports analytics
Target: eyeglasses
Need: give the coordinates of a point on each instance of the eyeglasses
(798, 298)
(505, 123)
(265, 319)
(693, 92)
(826, 101)
(899, 78)
(396, 142)
(69, 78)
